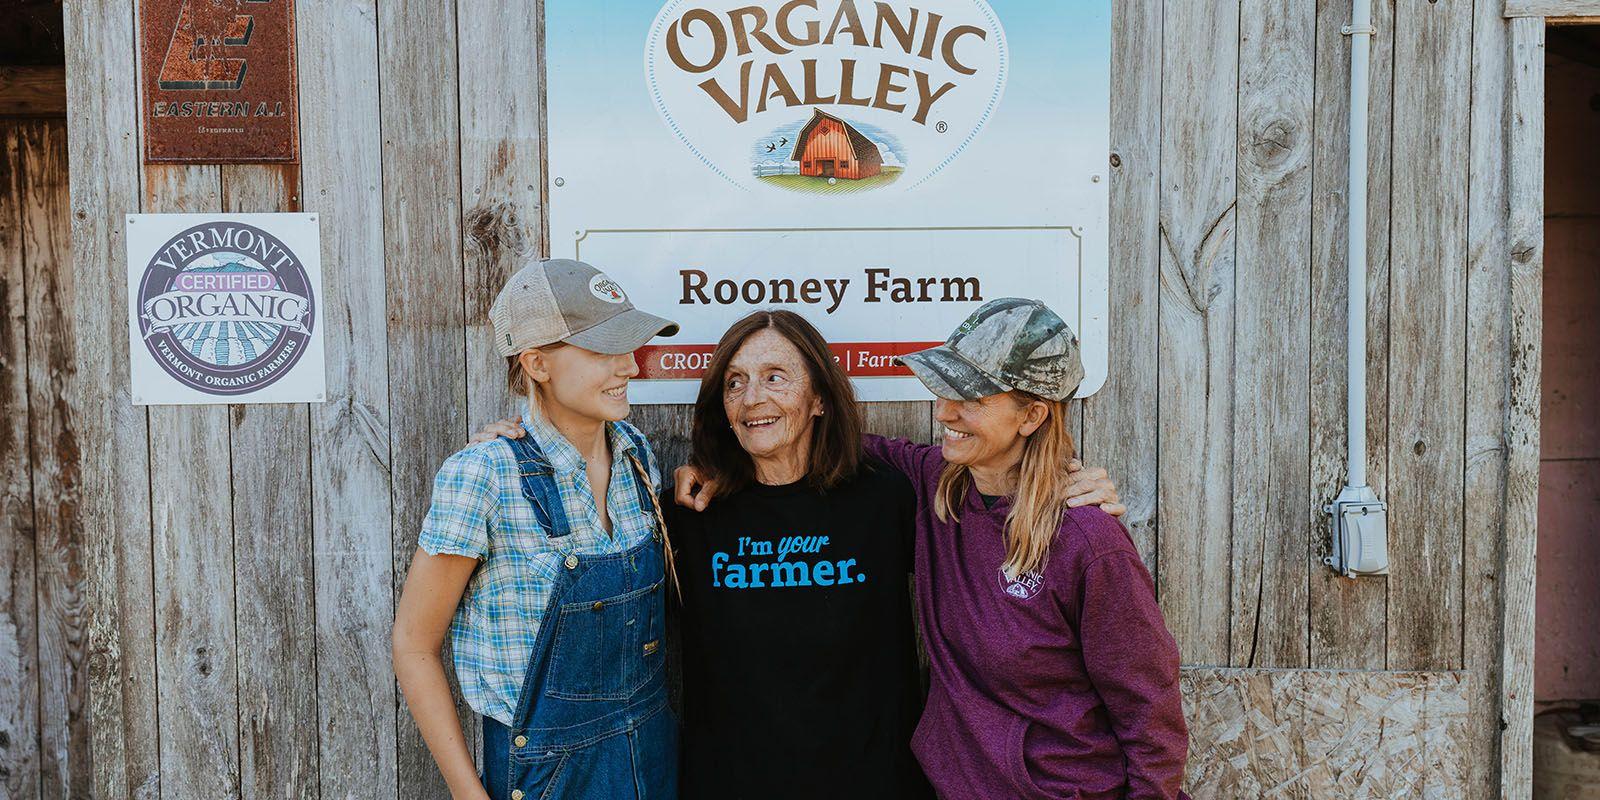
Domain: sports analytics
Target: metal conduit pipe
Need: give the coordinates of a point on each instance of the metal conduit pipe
(1359, 529)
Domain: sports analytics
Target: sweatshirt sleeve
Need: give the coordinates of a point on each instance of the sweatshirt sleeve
(902, 454)
(1133, 661)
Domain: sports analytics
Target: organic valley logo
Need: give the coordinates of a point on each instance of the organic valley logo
(226, 308)
(826, 96)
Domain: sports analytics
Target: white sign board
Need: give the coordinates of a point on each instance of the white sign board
(883, 168)
(225, 308)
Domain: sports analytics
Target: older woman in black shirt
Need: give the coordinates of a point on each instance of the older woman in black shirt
(799, 663)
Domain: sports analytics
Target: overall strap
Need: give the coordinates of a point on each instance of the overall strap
(539, 486)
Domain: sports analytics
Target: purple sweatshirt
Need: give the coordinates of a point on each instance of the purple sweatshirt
(1060, 684)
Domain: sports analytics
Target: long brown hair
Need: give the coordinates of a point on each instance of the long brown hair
(835, 436)
(1041, 490)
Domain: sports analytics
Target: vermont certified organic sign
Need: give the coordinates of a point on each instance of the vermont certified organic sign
(882, 167)
(224, 308)
(219, 81)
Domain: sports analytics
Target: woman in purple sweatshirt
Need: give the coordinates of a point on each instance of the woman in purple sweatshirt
(1053, 673)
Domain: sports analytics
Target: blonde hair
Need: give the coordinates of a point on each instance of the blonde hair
(523, 385)
(1041, 496)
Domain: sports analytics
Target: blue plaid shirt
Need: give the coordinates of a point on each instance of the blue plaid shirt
(478, 511)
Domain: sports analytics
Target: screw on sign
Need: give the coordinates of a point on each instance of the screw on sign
(219, 81)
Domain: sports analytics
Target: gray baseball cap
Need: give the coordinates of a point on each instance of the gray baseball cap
(1010, 343)
(561, 300)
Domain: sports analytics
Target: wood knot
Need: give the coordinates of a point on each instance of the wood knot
(496, 230)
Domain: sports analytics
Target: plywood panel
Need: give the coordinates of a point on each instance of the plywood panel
(1324, 734)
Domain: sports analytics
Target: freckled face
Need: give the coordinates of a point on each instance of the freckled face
(768, 397)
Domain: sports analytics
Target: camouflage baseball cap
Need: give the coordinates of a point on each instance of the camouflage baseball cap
(1010, 343)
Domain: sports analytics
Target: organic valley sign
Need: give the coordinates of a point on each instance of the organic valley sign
(885, 72)
(881, 167)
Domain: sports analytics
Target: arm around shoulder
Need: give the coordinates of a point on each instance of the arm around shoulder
(909, 457)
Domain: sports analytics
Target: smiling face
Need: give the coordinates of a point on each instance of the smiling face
(768, 397)
(987, 433)
(582, 382)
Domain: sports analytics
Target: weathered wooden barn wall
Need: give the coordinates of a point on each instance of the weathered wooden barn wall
(42, 684)
(233, 569)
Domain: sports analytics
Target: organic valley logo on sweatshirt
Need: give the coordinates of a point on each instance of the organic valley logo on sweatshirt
(826, 96)
(1024, 587)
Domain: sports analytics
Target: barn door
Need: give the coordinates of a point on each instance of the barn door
(43, 727)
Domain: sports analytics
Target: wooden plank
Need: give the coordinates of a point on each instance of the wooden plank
(270, 451)
(1488, 376)
(1526, 237)
(33, 91)
(1428, 333)
(502, 175)
(907, 420)
(1199, 126)
(192, 516)
(63, 744)
(1271, 416)
(1324, 733)
(105, 487)
(1119, 421)
(421, 180)
(1347, 626)
(19, 641)
(668, 428)
(352, 525)
(502, 179)
(1552, 8)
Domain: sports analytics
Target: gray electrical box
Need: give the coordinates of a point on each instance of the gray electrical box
(1360, 533)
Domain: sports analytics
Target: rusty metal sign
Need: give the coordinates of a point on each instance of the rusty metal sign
(219, 81)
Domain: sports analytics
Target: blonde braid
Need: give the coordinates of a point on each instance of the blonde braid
(661, 521)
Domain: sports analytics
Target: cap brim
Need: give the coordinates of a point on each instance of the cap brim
(623, 333)
(950, 376)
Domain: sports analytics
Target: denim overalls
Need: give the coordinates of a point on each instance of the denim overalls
(592, 720)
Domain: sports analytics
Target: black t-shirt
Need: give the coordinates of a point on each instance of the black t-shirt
(799, 661)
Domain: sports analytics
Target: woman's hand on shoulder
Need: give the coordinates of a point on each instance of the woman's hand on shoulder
(1091, 486)
(691, 489)
(510, 427)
